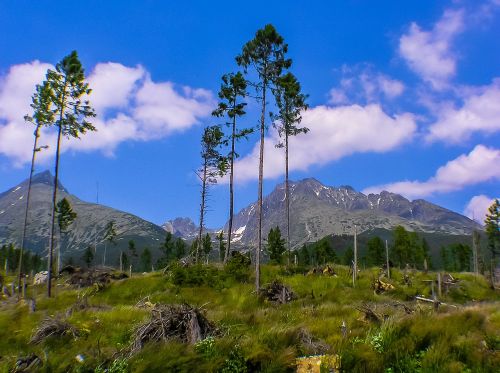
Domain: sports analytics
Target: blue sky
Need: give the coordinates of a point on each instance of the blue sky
(403, 96)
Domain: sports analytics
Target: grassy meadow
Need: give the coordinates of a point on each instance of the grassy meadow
(257, 335)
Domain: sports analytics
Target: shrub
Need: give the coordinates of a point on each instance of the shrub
(238, 267)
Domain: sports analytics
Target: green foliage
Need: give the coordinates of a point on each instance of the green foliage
(206, 347)
(31, 261)
(235, 363)
(117, 366)
(463, 339)
(492, 228)
(65, 215)
(323, 252)
(238, 267)
(88, 256)
(266, 54)
(132, 249)
(291, 103)
(275, 245)
(407, 249)
(174, 248)
(206, 245)
(348, 256)
(110, 232)
(222, 245)
(456, 257)
(303, 256)
(376, 251)
(146, 260)
(67, 86)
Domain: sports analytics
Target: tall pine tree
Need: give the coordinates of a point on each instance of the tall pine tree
(70, 112)
(213, 165)
(233, 90)
(290, 102)
(265, 53)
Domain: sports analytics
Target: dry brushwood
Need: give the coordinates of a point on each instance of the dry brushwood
(179, 322)
(407, 309)
(27, 364)
(53, 327)
(380, 286)
(277, 293)
(310, 344)
(98, 279)
(370, 314)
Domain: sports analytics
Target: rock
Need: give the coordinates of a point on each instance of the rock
(40, 278)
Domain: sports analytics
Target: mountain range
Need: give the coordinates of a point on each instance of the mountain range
(316, 211)
(87, 230)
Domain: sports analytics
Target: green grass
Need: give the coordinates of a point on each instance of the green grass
(267, 336)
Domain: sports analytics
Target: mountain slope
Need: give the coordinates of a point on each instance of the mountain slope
(87, 229)
(317, 210)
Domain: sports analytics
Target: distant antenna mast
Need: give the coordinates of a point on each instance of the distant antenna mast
(387, 259)
(95, 227)
(355, 264)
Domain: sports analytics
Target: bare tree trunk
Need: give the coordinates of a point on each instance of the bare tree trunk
(53, 217)
(59, 255)
(287, 197)
(202, 207)
(104, 256)
(23, 239)
(261, 176)
(231, 193)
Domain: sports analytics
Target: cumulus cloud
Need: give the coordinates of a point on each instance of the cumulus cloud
(480, 112)
(360, 83)
(335, 132)
(428, 53)
(130, 107)
(480, 165)
(112, 85)
(477, 208)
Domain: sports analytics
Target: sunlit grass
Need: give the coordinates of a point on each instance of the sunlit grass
(268, 335)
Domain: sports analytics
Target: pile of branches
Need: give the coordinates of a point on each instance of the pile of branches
(53, 327)
(311, 345)
(27, 364)
(96, 278)
(326, 271)
(369, 314)
(180, 322)
(278, 293)
(380, 286)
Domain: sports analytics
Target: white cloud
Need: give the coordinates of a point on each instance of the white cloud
(477, 208)
(335, 132)
(161, 109)
(360, 83)
(480, 165)
(428, 53)
(390, 87)
(17, 87)
(112, 85)
(480, 112)
(129, 104)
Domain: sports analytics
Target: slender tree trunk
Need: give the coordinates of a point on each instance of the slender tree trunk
(23, 239)
(202, 207)
(287, 197)
(59, 244)
(104, 256)
(231, 192)
(53, 217)
(261, 176)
